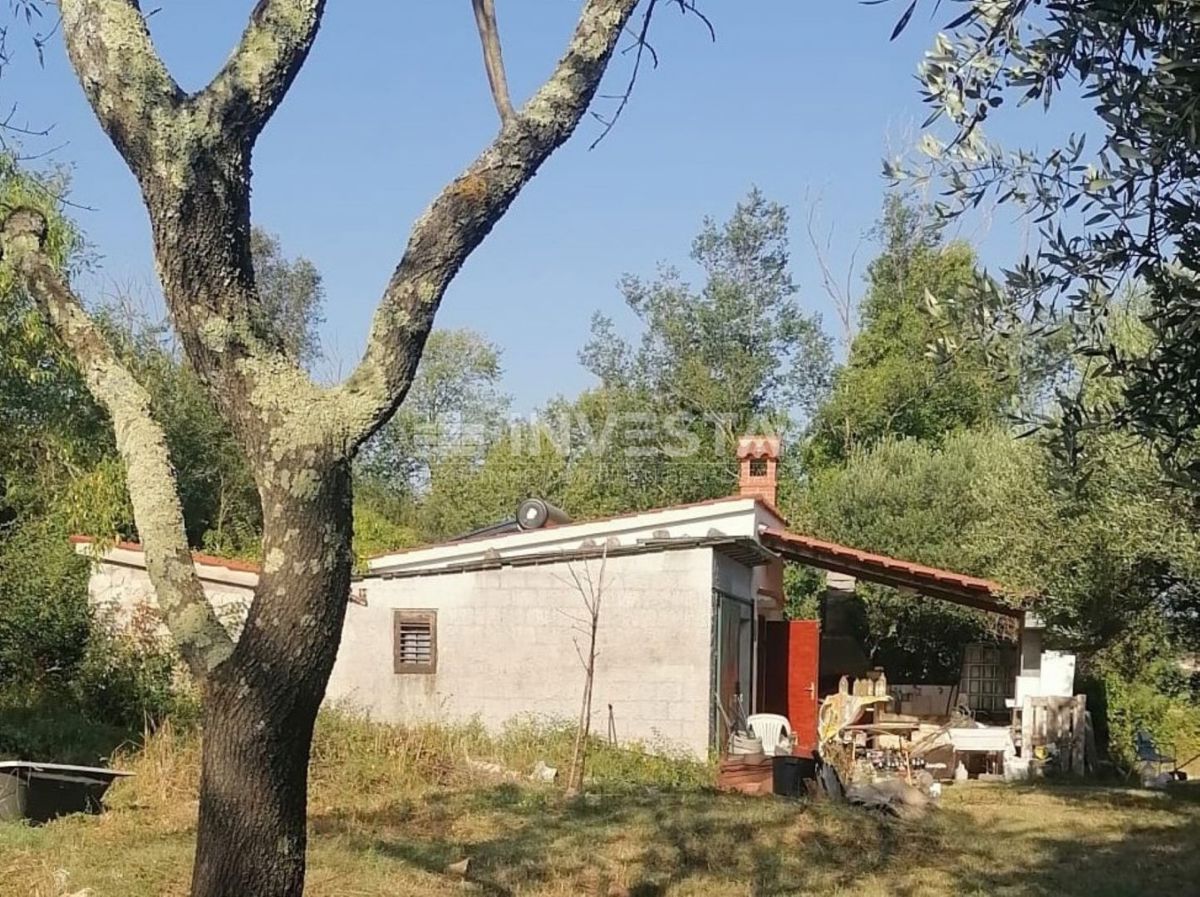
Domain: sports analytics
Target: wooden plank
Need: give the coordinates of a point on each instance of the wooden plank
(1079, 731)
(1027, 729)
(1089, 742)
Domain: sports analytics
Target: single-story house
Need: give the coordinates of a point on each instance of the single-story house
(492, 625)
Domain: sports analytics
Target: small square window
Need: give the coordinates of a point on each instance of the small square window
(414, 641)
(758, 467)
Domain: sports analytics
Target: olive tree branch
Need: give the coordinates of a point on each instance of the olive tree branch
(141, 442)
(466, 210)
(273, 48)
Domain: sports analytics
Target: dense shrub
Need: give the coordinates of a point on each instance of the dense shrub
(123, 681)
(72, 687)
(44, 621)
(1162, 710)
(53, 729)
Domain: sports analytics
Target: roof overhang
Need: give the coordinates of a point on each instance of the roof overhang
(742, 549)
(735, 516)
(945, 585)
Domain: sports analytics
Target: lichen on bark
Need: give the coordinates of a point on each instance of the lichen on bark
(141, 443)
(190, 155)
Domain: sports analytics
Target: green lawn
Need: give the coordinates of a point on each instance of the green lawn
(388, 817)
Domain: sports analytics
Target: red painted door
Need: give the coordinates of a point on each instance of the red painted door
(789, 663)
(803, 667)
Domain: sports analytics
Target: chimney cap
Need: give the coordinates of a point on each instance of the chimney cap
(758, 447)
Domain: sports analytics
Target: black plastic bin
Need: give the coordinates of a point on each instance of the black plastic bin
(788, 775)
(40, 792)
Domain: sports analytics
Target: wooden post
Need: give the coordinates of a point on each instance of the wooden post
(1089, 742)
(1079, 731)
(1027, 730)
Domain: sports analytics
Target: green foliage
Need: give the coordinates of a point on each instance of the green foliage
(50, 430)
(628, 450)
(737, 347)
(51, 729)
(923, 502)
(890, 386)
(464, 495)
(1112, 212)
(44, 618)
(733, 355)
(20, 188)
(919, 501)
(1153, 704)
(803, 587)
(380, 522)
(454, 410)
(71, 688)
(1098, 553)
(290, 294)
(129, 682)
(1111, 543)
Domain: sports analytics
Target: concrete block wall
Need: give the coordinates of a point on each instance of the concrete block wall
(506, 648)
(120, 591)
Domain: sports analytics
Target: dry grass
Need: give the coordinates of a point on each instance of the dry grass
(390, 809)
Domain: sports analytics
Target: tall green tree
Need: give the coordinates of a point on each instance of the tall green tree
(890, 385)
(291, 296)
(1115, 204)
(734, 353)
(455, 407)
(738, 345)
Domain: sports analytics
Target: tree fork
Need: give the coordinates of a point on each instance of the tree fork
(191, 156)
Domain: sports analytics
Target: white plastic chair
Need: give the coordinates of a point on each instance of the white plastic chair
(772, 729)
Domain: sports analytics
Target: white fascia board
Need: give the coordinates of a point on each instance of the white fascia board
(733, 517)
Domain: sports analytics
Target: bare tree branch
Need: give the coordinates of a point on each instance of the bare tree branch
(841, 296)
(640, 47)
(592, 592)
(202, 641)
(465, 212)
(250, 87)
(493, 57)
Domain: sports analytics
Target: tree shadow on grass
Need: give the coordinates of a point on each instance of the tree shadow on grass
(646, 845)
(1073, 841)
(643, 843)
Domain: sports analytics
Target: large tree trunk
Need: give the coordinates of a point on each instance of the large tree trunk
(261, 706)
(190, 153)
(251, 835)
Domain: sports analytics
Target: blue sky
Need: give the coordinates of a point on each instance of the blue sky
(800, 97)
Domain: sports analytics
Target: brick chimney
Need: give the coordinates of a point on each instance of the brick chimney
(758, 462)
